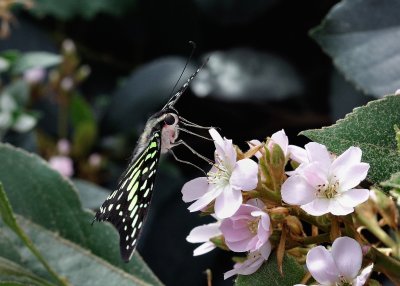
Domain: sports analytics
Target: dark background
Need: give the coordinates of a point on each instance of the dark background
(118, 47)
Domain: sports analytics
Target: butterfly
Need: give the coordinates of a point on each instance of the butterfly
(127, 206)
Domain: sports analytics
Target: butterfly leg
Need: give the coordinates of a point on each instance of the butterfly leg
(181, 142)
(186, 162)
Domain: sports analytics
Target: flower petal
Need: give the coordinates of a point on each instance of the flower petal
(318, 152)
(244, 176)
(207, 198)
(349, 157)
(298, 154)
(347, 254)
(296, 191)
(282, 140)
(363, 277)
(317, 207)
(224, 149)
(314, 174)
(228, 202)
(204, 232)
(353, 197)
(352, 176)
(322, 266)
(194, 189)
(204, 248)
(265, 250)
(248, 267)
(336, 208)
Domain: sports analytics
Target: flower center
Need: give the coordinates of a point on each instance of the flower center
(253, 225)
(220, 176)
(343, 282)
(329, 190)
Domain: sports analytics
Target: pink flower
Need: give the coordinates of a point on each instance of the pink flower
(279, 138)
(225, 181)
(204, 233)
(34, 75)
(339, 266)
(62, 164)
(326, 185)
(63, 146)
(252, 263)
(248, 229)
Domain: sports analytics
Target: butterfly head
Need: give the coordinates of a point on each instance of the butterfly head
(169, 120)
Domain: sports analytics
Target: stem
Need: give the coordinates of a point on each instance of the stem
(374, 228)
(385, 264)
(321, 238)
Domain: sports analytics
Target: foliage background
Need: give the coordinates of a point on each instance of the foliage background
(136, 51)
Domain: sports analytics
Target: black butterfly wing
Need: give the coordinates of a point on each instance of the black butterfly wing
(126, 207)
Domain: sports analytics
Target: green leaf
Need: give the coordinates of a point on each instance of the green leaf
(91, 195)
(43, 196)
(35, 60)
(14, 274)
(268, 274)
(9, 219)
(362, 39)
(371, 128)
(78, 266)
(393, 182)
(68, 9)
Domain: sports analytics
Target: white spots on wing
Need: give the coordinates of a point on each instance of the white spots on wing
(146, 193)
(133, 242)
(127, 247)
(118, 206)
(127, 238)
(134, 232)
(110, 207)
(140, 224)
(133, 203)
(134, 211)
(125, 228)
(120, 195)
(120, 213)
(134, 221)
(143, 185)
(133, 191)
(145, 170)
(124, 219)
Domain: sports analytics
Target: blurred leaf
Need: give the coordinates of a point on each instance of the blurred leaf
(35, 60)
(42, 196)
(85, 127)
(268, 274)
(78, 265)
(14, 274)
(244, 74)
(10, 55)
(143, 92)
(362, 39)
(91, 195)
(9, 219)
(371, 128)
(393, 182)
(68, 9)
(19, 90)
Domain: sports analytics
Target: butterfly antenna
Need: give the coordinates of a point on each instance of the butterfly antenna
(184, 68)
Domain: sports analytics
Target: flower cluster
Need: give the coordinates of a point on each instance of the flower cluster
(258, 193)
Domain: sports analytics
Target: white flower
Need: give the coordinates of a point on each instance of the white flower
(204, 233)
(327, 185)
(225, 181)
(253, 262)
(339, 266)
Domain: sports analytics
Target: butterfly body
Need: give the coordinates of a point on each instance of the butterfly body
(127, 206)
